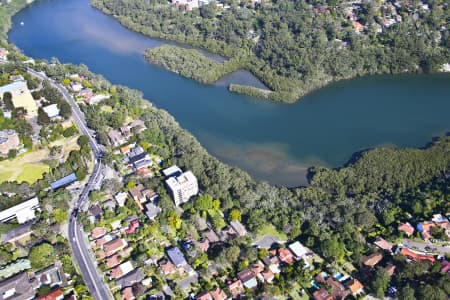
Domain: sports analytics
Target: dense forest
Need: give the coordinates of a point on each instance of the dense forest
(297, 46)
(190, 63)
(6, 11)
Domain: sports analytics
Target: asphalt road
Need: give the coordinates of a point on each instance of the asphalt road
(80, 247)
(433, 248)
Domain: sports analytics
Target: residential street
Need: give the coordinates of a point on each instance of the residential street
(420, 246)
(80, 247)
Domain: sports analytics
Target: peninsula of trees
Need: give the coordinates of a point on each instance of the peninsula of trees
(296, 47)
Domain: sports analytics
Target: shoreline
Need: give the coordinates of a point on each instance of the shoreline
(296, 90)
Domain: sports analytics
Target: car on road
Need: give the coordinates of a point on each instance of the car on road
(427, 248)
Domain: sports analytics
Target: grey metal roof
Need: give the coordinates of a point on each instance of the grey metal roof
(176, 257)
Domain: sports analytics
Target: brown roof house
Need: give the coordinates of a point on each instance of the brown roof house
(116, 138)
(114, 246)
(218, 294)
(248, 279)
(383, 244)
(322, 294)
(407, 228)
(372, 260)
(355, 286)
(236, 288)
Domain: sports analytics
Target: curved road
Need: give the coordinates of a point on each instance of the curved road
(88, 266)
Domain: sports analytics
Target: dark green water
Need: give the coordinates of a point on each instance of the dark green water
(271, 141)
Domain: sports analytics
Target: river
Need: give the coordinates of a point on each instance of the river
(272, 141)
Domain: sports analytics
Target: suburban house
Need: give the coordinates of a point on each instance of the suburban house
(52, 111)
(372, 260)
(23, 212)
(176, 257)
(116, 138)
(211, 236)
(407, 228)
(17, 287)
(127, 294)
(4, 54)
(121, 198)
(238, 228)
(202, 244)
(167, 267)
(9, 140)
(236, 288)
(425, 229)
(355, 286)
(114, 246)
(113, 261)
(103, 240)
(204, 296)
(50, 276)
(140, 195)
(21, 97)
(273, 263)
(286, 256)
(151, 211)
(218, 294)
(322, 294)
(298, 249)
(122, 270)
(248, 279)
(76, 87)
(53, 295)
(182, 187)
(383, 244)
(98, 232)
(129, 279)
(268, 276)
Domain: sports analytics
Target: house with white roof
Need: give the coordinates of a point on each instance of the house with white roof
(52, 111)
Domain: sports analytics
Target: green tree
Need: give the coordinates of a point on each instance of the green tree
(380, 282)
(61, 216)
(42, 117)
(235, 215)
(406, 293)
(203, 202)
(42, 256)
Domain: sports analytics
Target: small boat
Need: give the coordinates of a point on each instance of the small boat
(22, 23)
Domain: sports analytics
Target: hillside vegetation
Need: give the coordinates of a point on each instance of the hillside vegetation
(294, 47)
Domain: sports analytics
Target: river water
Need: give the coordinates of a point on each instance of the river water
(272, 141)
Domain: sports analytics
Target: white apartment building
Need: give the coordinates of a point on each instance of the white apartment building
(23, 212)
(182, 187)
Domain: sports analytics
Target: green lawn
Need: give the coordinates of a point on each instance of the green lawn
(32, 172)
(269, 229)
(23, 168)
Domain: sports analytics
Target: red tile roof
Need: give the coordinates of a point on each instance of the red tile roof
(98, 232)
(406, 228)
(285, 255)
(218, 294)
(416, 256)
(53, 295)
